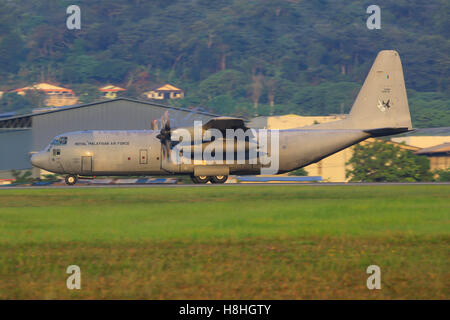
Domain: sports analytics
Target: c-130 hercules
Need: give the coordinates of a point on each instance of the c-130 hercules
(380, 109)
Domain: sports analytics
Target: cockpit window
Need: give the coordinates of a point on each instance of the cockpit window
(59, 141)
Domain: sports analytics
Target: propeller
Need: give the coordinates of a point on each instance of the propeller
(165, 134)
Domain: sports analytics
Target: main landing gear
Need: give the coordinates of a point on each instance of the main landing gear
(205, 179)
(71, 179)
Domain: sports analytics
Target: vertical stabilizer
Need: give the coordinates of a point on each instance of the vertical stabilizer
(382, 100)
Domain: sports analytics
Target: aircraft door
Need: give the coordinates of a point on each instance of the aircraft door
(56, 158)
(86, 165)
(143, 157)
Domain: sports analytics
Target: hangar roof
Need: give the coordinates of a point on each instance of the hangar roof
(24, 121)
(442, 148)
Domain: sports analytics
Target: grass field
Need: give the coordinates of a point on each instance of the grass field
(239, 242)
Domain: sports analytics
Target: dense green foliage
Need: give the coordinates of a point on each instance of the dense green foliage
(442, 175)
(231, 57)
(382, 162)
(12, 102)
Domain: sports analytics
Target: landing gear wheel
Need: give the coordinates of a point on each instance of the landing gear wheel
(219, 179)
(71, 180)
(200, 179)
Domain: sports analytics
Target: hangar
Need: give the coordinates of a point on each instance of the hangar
(22, 135)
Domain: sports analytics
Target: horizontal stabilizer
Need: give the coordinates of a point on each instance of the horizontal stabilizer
(379, 132)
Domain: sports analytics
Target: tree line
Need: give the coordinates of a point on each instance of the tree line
(239, 57)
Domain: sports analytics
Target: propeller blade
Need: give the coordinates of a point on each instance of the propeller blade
(155, 124)
(164, 151)
(167, 147)
(165, 135)
(163, 122)
(167, 122)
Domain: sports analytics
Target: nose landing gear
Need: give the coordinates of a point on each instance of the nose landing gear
(71, 179)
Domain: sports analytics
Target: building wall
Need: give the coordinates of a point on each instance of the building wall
(154, 95)
(441, 162)
(160, 95)
(110, 95)
(15, 146)
(177, 95)
(60, 100)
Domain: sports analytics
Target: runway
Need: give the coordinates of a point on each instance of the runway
(226, 185)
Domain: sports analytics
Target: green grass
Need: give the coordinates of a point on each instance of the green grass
(281, 242)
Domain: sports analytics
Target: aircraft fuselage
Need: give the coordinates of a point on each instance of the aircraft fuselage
(139, 152)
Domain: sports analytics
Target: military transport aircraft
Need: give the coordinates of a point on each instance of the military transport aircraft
(380, 109)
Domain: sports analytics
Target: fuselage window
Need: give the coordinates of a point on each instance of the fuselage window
(56, 152)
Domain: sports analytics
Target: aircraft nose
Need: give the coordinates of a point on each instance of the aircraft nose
(39, 160)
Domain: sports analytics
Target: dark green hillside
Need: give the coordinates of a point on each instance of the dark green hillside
(231, 57)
